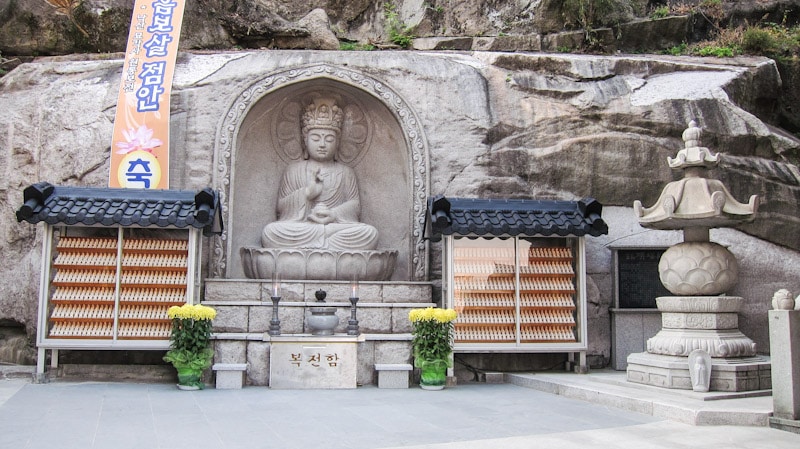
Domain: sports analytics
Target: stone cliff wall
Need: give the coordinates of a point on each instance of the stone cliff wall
(36, 28)
(495, 125)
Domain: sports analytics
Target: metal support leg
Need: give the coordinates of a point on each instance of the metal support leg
(40, 360)
(40, 376)
(582, 367)
(54, 358)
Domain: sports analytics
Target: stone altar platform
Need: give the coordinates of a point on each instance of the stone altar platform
(244, 310)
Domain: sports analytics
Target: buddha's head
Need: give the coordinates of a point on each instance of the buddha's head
(322, 124)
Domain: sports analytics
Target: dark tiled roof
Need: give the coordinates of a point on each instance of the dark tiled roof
(94, 206)
(513, 217)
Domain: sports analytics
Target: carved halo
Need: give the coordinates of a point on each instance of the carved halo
(356, 133)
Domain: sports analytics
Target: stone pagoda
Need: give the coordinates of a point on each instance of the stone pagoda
(700, 322)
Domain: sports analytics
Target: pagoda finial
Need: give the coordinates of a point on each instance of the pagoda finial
(691, 136)
(693, 155)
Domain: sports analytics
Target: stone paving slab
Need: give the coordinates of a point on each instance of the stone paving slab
(469, 416)
(656, 435)
(130, 415)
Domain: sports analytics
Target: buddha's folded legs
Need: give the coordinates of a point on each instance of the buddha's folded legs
(335, 236)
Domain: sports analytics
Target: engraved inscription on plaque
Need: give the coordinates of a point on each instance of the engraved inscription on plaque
(638, 283)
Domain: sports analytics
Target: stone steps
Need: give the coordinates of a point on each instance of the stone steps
(611, 389)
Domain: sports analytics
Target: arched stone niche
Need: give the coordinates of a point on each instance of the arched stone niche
(381, 140)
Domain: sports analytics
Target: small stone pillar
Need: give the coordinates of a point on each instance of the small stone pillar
(784, 341)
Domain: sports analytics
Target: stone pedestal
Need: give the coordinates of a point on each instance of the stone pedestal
(313, 362)
(318, 264)
(784, 341)
(708, 323)
(229, 376)
(727, 374)
(393, 375)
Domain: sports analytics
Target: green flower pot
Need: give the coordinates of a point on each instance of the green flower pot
(433, 374)
(190, 377)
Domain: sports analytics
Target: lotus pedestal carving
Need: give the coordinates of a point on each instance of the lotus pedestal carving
(318, 264)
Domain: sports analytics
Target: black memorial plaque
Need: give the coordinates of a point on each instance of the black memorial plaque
(637, 278)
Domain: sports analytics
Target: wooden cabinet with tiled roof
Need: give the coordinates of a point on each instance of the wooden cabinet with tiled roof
(514, 270)
(114, 261)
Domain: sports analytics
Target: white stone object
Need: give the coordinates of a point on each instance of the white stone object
(322, 320)
(782, 300)
(310, 362)
(695, 200)
(700, 322)
(700, 370)
(317, 263)
(784, 340)
(229, 376)
(709, 323)
(319, 206)
(393, 375)
(698, 269)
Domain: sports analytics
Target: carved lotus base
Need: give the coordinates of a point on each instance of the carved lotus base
(709, 323)
(717, 342)
(318, 264)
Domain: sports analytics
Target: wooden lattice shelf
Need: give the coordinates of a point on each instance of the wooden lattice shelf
(91, 289)
(492, 298)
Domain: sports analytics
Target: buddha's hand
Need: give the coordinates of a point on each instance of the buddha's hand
(321, 214)
(314, 189)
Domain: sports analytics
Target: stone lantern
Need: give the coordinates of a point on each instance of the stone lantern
(701, 320)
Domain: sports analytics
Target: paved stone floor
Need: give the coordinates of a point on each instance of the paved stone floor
(66, 415)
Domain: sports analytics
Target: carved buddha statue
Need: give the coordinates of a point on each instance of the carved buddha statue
(318, 199)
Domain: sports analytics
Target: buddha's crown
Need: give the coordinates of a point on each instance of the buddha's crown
(322, 112)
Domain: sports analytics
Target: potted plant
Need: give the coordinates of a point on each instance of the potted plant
(432, 344)
(190, 347)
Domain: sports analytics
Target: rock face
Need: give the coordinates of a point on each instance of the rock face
(34, 27)
(486, 124)
(98, 26)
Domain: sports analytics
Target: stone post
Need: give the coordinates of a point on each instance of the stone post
(784, 341)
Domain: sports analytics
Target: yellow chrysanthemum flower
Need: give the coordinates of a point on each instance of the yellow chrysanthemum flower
(432, 314)
(192, 311)
(444, 315)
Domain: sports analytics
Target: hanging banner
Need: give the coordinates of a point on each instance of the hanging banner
(140, 144)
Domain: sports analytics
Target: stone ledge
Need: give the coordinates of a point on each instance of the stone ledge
(494, 377)
(393, 367)
(263, 336)
(252, 336)
(388, 337)
(316, 304)
(789, 425)
(258, 291)
(686, 407)
(229, 367)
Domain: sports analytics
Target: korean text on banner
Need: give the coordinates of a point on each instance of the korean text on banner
(140, 145)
